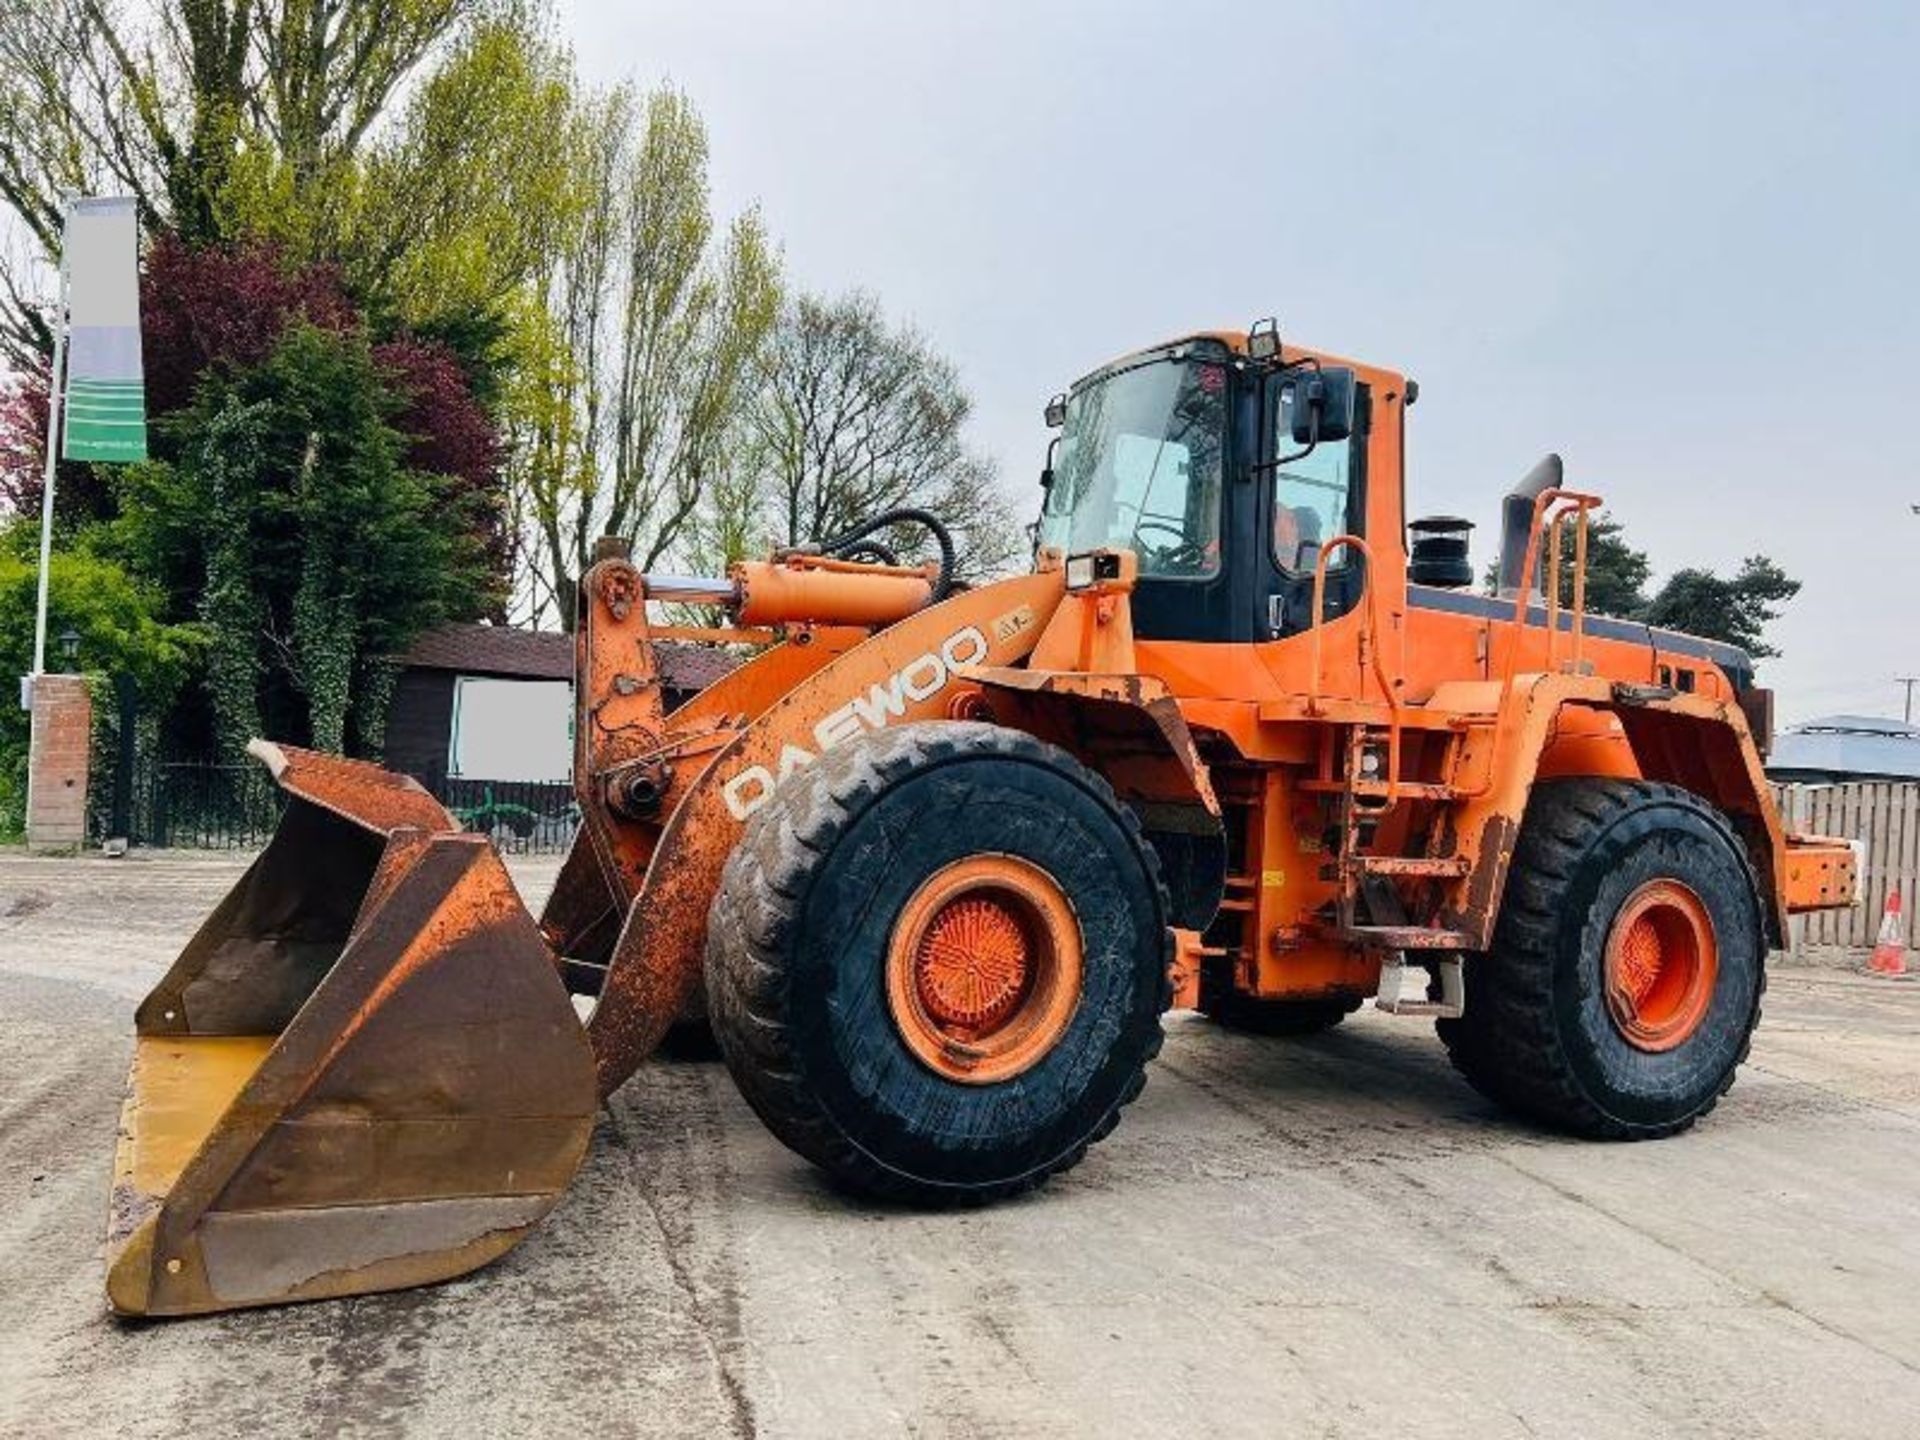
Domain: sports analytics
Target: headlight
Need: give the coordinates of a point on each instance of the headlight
(1094, 567)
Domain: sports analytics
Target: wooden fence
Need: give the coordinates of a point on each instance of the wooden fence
(1884, 815)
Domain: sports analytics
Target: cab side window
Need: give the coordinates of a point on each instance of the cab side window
(1310, 496)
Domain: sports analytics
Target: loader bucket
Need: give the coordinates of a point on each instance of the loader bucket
(362, 1073)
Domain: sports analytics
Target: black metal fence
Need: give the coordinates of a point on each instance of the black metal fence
(210, 805)
(200, 805)
(524, 817)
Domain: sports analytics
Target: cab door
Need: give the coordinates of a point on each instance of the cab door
(1204, 601)
(1303, 500)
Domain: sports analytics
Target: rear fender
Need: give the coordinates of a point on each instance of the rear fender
(1546, 722)
(1704, 745)
(1129, 728)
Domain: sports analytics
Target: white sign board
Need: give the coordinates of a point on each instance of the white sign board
(511, 729)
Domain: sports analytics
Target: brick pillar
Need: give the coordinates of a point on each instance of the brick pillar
(57, 762)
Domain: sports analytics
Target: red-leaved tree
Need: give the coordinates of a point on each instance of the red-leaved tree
(79, 493)
(225, 305)
(222, 311)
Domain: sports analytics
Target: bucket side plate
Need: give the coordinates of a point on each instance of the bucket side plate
(425, 1106)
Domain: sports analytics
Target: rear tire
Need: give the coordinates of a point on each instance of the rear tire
(1231, 1010)
(804, 946)
(1551, 1027)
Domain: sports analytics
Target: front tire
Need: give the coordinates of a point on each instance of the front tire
(937, 962)
(1624, 982)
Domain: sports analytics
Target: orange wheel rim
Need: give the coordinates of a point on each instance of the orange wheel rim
(984, 969)
(1662, 961)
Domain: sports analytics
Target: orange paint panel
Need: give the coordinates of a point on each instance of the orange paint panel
(1819, 873)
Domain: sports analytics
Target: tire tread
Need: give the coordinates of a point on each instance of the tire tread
(1507, 1045)
(758, 904)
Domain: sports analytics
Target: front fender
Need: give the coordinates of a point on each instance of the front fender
(1130, 730)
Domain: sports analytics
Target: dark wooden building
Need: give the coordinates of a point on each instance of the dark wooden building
(437, 692)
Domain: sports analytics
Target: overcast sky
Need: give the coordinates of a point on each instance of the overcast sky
(1677, 243)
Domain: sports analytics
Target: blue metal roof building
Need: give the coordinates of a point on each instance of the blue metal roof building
(1846, 747)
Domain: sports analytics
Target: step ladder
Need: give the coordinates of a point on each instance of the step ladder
(1430, 984)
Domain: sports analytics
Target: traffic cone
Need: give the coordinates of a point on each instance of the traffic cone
(1890, 951)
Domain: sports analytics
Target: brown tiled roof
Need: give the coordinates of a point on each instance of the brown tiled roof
(693, 667)
(548, 655)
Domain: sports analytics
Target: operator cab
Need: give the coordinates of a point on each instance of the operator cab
(1224, 470)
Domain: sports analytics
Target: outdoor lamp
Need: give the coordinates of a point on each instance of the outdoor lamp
(69, 644)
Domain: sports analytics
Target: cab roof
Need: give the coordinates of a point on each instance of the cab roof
(1235, 342)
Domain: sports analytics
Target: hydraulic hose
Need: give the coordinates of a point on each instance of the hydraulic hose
(854, 544)
(868, 552)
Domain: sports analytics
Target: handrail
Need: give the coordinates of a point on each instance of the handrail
(1369, 630)
(1576, 506)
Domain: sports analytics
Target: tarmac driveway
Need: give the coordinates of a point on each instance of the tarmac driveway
(1331, 1236)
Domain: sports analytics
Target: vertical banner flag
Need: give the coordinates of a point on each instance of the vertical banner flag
(106, 410)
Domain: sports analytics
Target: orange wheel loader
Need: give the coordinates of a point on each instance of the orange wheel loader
(940, 858)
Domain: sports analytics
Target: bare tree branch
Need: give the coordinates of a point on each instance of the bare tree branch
(853, 418)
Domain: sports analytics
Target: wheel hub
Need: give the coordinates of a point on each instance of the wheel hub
(1661, 963)
(983, 969)
(972, 964)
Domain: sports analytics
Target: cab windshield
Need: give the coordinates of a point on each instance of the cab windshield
(1140, 466)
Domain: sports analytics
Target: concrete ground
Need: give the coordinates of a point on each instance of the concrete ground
(1331, 1236)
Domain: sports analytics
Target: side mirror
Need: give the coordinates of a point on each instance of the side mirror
(1046, 470)
(1320, 404)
